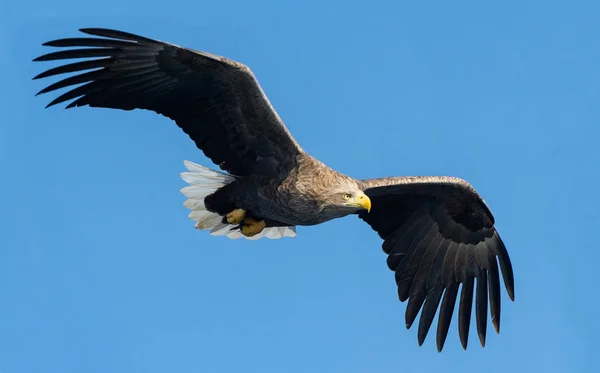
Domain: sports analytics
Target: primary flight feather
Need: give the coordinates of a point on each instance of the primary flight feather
(438, 232)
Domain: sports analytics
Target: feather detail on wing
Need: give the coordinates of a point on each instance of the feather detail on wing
(216, 101)
(439, 234)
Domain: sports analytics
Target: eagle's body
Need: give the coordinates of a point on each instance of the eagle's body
(437, 231)
(297, 198)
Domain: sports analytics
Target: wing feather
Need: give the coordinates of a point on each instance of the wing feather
(445, 317)
(439, 236)
(217, 102)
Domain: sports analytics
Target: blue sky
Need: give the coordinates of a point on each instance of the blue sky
(101, 270)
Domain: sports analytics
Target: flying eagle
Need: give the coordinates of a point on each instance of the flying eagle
(438, 232)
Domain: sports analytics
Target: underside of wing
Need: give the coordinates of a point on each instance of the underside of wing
(216, 101)
(439, 235)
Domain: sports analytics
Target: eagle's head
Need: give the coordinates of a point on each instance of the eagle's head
(335, 194)
(344, 198)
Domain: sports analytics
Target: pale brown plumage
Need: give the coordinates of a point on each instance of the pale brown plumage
(437, 231)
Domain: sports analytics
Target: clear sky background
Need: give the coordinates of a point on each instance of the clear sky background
(101, 270)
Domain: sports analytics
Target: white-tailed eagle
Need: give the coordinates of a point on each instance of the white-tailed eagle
(438, 232)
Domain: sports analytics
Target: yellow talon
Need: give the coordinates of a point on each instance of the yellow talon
(252, 227)
(236, 216)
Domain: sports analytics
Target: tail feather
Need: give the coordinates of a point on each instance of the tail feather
(203, 182)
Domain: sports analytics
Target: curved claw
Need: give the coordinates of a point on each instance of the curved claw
(236, 216)
(252, 227)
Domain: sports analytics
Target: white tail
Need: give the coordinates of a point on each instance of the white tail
(204, 181)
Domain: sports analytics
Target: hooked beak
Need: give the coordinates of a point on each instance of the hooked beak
(364, 202)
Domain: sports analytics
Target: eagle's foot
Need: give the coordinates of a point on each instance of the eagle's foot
(236, 216)
(252, 227)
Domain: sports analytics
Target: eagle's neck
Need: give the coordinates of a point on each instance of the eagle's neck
(299, 198)
(315, 179)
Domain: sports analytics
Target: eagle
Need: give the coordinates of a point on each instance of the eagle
(438, 232)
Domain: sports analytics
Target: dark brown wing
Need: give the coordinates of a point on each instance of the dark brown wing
(439, 233)
(216, 101)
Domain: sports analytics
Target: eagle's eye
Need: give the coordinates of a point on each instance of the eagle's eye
(347, 196)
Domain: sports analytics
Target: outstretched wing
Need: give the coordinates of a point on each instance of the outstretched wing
(439, 233)
(216, 101)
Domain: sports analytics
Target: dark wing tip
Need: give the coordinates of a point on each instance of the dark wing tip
(101, 31)
(511, 293)
(108, 49)
(54, 43)
(481, 338)
(509, 283)
(115, 34)
(496, 324)
(505, 266)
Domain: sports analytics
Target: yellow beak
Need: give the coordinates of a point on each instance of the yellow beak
(365, 202)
